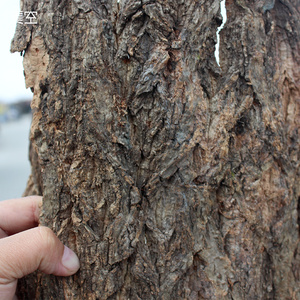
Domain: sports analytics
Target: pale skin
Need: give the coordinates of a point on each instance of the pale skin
(25, 246)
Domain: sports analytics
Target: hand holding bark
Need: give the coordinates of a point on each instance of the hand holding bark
(26, 247)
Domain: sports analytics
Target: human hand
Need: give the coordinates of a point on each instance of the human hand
(24, 247)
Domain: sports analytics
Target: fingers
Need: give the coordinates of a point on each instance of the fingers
(7, 291)
(2, 235)
(19, 214)
(29, 250)
(36, 248)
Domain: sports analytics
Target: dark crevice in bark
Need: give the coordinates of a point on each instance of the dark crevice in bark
(298, 211)
(268, 274)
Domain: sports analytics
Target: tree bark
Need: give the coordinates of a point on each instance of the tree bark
(171, 177)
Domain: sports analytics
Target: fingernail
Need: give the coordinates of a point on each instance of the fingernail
(70, 260)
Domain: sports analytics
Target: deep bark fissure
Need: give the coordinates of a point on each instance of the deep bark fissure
(224, 18)
(298, 210)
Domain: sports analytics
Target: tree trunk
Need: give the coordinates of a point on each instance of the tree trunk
(170, 176)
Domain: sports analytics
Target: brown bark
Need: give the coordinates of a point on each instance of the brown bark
(171, 177)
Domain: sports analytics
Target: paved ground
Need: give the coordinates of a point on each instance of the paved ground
(14, 164)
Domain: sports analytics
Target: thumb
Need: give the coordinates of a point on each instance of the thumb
(37, 248)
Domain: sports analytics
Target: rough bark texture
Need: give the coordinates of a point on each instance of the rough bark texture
(171, 177)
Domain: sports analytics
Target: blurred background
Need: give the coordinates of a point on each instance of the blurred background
(15, 114)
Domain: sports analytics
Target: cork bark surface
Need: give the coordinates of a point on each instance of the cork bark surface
(170, 176)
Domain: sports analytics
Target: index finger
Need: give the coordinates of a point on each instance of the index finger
(19, 214)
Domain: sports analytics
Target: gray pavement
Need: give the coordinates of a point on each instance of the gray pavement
(14, 163)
